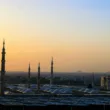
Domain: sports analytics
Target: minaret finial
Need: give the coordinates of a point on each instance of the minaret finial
(3, 42)
(29, 65)
(52, 61)
(39, 64)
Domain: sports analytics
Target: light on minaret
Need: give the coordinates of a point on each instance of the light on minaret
(51, 78)
(3, 69)
(38, 78)
(29, 75)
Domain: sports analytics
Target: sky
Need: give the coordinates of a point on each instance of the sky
(75, 32)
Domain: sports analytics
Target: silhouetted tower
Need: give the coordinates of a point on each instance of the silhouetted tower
(51, 78)
(29, 75)
(38, 78)
(3, 70)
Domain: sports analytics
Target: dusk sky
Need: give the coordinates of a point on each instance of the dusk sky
(75, 32)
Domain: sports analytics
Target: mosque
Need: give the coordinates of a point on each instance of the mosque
(46, 88)
(3, 72)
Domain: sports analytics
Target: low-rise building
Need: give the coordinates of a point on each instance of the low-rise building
(105, 82)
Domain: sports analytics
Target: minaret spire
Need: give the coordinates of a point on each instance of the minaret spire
(3, 69)
(38, 78)
(39, 65)
(51, 79)
(3, 43)
(29, 75)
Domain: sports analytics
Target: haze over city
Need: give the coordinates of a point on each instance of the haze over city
(74, 32)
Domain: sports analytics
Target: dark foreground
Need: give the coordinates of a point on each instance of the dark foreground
(55, 107)
(50, 102)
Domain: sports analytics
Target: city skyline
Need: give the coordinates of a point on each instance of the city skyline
(75, 33)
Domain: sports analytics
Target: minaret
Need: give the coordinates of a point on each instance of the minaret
(29, 76)
(51, 78)
(3, 70)
(38, 78)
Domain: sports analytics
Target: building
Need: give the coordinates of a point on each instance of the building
(105, 82)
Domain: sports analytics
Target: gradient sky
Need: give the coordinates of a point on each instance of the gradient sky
(75, 32)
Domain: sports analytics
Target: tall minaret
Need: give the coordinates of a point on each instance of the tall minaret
(3, 69)
(29, 75)
(51, 78)
(38, 78)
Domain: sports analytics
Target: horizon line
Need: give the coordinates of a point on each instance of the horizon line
(58, 72)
